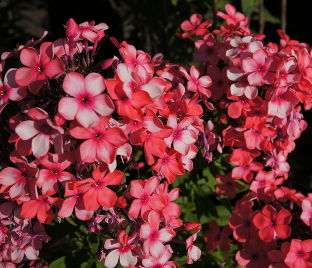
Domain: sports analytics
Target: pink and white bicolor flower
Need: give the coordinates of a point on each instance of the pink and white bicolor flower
(259, 68)
(181, 136)
(153, 237)
(86, 102)
(10, 90)
(122, 250)
(40, 131)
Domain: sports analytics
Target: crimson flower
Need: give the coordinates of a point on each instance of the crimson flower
(142, 191)
(102, 142)
(272, 225)
(168, 166)
(96, 192)
(48, 178)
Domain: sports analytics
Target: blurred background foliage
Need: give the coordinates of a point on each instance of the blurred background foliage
(151, 25)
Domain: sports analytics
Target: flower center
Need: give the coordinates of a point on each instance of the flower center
(2, 92)
(85, 100)
(98, 136)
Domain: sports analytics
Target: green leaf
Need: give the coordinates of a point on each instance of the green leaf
(58, 263)
(174, 2)
(250, 6)
(71, 221)
(270, 18)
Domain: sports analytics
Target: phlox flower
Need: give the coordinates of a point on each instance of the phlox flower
(86, 102)
(9, 89)
(40, 66)
(299, 254)
(122, 250)
(306, 215)
(102, 142)
(259, 68)
(153, 236)
(40, 132)
(96, 192)
(272, 224)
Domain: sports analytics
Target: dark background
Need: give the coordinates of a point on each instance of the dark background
(151, 26)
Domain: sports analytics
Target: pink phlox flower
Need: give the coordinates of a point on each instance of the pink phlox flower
(122, 250)
(259, 68)
(39, 67)
(10, 90)
(54, 172)
(40, 132)
(154, 237)
(86, 102)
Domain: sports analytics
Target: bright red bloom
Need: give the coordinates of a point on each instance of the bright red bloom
(96, 192)
(142, 191)
(273, 224)
(48, 178)
(102, 142)
(41, 208)
(195, 26)
(168, 166)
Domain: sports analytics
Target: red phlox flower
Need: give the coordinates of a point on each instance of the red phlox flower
(214, 237)
(96, 192)
(47, 178)
(143, 192)
(161, 260)
(168, 165)
(243, 47)
(241, 221)
(40, 207)
(272, 224)
(196, 83)
(254, 254)
(74, 200)
(195, 26)
(306, 215)
(102, 141)
(183, 135)
(13, 181)
(231, 16)
(227, 185)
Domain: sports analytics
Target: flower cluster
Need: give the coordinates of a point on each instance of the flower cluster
(259, 92)
(78, 126)
(103, 141)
